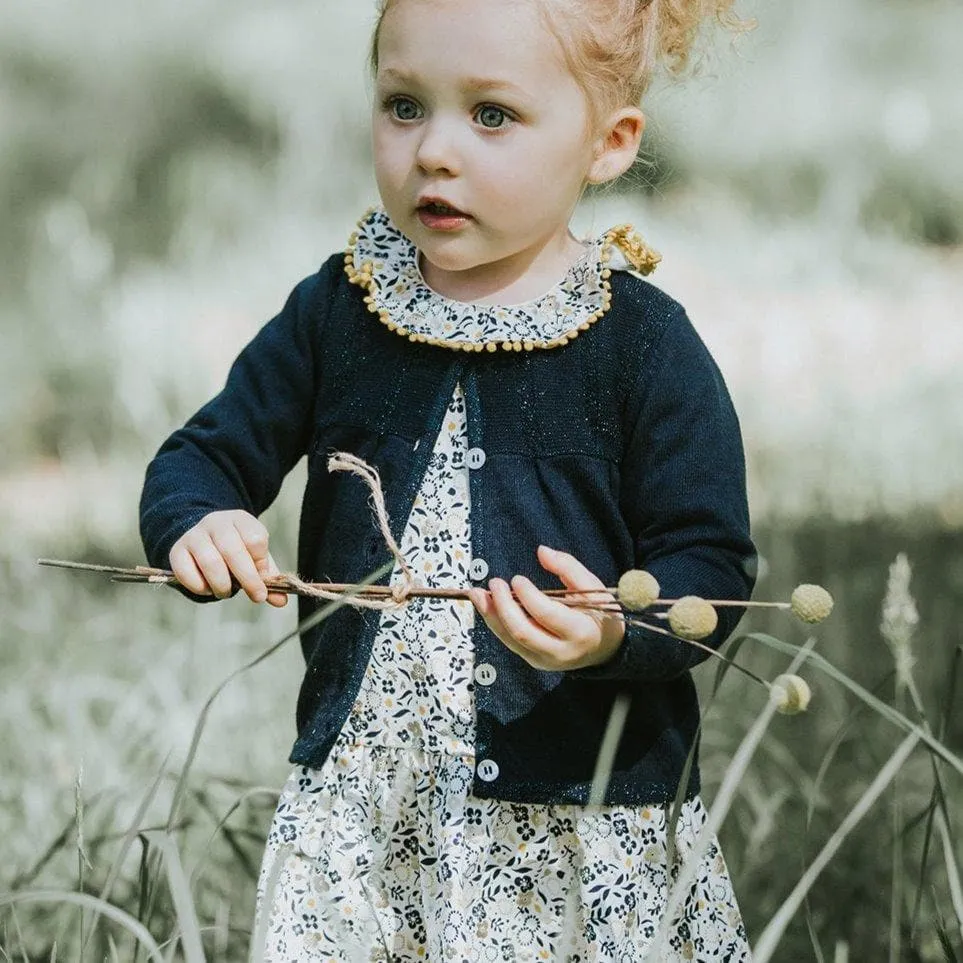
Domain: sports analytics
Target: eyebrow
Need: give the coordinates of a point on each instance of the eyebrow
(474, 84)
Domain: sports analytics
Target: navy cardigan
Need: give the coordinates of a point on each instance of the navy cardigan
(621, 447)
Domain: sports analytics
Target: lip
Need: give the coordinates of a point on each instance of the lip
(427, 199)
(440, 222)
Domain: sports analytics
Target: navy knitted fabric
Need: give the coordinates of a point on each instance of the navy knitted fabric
(621, 448)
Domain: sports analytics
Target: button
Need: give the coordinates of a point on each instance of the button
(478, 569)
(488, 770)
(485, 673)
(476, 457)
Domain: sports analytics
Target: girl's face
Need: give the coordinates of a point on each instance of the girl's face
(481, 135)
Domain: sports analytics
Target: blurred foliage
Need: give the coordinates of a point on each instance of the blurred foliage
(121, 148)
(171, 138)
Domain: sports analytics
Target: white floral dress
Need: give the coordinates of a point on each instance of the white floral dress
(384, 854)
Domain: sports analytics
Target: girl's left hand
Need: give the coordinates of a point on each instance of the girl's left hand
(546, 633)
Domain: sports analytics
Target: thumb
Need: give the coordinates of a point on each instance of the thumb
(265, 567)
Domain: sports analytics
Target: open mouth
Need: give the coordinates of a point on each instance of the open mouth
(439, 209)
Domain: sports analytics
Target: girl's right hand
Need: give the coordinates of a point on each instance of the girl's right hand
(223, 546)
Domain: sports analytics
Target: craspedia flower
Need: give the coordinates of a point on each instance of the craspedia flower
(693, 618)
(790, 693)
(811, 603)
(638, 589)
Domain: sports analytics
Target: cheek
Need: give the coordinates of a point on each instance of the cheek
(387, 152)
(540, 173)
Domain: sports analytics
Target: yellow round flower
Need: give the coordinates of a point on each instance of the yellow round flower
(790, 693)
(693, 618)
(638, 589)
(811, 603)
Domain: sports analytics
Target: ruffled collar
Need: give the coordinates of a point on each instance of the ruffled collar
(384, 262)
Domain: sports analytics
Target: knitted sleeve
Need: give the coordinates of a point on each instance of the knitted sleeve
(235, 451)
(684, 498)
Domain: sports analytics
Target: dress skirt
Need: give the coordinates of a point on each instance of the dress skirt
(384, 854)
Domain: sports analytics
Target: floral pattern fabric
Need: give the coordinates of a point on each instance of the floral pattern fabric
(384, 854)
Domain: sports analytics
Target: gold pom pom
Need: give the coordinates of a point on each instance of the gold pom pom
(693, 618)
(811, 603)
(790, 693)
(636, 251)
(638, 589)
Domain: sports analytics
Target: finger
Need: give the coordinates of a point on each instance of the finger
(234, 552)
(269, 567)
(569, 569)
(486, 608)
(547, 648)
(554, 616)
(186, 571)
(254, 535)
(212, 566)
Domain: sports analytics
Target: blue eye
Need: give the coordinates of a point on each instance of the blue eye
(403, 108)
(491, 117)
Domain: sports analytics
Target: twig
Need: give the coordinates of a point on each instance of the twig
(291, 585)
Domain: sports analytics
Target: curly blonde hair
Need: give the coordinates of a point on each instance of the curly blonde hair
(614, 47)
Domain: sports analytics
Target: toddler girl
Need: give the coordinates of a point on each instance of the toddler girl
(537, 413)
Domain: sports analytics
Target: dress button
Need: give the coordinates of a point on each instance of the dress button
(488, 770)
(478, 569)
(485, 673)
(476, 457)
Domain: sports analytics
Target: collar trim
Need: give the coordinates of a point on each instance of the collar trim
(382, 261)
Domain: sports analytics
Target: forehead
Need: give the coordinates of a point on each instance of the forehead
(506, 41)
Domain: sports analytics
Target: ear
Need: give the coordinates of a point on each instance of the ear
(617, 145)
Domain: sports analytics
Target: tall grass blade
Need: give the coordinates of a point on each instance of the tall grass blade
(938, 809)
(828, 756)
(722, 669)
(717, 814)
(946, 944)
(680, 794)
(98, 906)
(190, 929)
(775, 928)
(113, 873)
(16, 926)
(143, 880)
(60, 842)
(887, 712)
(83, 862)
(732, 650)
(610, 746)
(242, 857)
(235, 806)
(308, 623)
(266, 909)
(952, 870)
(896, 890)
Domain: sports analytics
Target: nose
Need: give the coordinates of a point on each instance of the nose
(437, 150)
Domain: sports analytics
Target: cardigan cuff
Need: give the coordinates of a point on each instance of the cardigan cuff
(644, 655)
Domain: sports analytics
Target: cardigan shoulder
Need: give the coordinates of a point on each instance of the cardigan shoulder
(643, 307)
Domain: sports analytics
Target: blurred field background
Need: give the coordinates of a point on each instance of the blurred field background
(169, 172)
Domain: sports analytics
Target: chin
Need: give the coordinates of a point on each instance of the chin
(446, 254)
